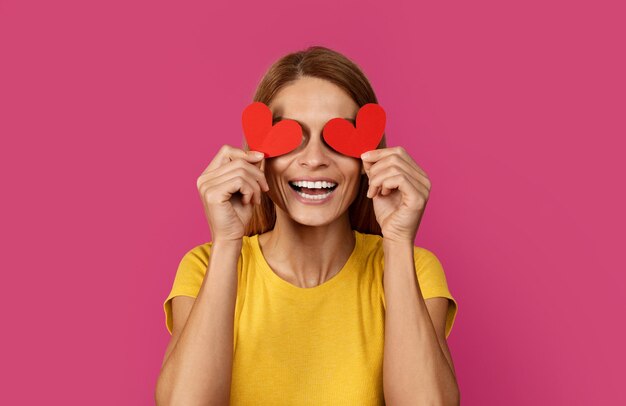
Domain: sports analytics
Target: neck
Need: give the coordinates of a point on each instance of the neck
(307, 256)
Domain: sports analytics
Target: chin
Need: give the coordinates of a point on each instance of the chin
(311, 220)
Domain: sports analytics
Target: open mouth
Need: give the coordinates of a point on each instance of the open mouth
(313, 190)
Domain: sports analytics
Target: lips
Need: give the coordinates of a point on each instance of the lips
(318, 187)
(311, 179)
(313, 196)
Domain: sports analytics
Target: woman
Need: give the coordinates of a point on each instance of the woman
(285, 306)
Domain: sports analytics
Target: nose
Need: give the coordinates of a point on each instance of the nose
(315, 152)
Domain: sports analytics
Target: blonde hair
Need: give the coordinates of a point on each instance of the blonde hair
(323, 63)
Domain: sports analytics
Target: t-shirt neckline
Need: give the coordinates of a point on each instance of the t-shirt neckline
(287, 287)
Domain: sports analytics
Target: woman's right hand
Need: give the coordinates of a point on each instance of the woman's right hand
(229, 187)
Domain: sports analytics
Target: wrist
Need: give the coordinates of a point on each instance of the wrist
(389, 243)
(227, 243)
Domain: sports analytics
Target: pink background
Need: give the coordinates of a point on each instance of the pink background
(110, 110)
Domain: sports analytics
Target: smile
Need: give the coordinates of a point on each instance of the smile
(317, 192)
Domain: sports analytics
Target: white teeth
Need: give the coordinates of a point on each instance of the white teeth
(314, 197)
(314, 185)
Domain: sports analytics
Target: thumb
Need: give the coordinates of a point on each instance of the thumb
(259, 161)
(254, 157)
(367, 165)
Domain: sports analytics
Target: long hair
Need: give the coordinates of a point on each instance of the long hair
(323, 63)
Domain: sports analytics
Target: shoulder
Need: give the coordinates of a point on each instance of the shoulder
(425, 257)
(200, 252)
(370, 250)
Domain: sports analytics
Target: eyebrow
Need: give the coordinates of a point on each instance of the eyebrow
(278, 118)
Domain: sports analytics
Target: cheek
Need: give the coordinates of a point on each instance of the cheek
(273, 182)
(276, 165)
(353, 170)
(274, 170)
(355, 179)
(357, 184)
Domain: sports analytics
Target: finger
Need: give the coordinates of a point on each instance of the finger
(371, 192)
(229, 183)
(378, 181)
(228, 153)
(397, 153)
(419, 187)
(393, 182)
(255, 171)
(401, 182)
(394, 161)
(367, 166)
(252, 169)
(260, 164)
(240, 184)
(392, 168)
(219, 193)
(378, 154)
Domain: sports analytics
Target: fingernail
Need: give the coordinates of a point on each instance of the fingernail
(365, 155)
(258, 154)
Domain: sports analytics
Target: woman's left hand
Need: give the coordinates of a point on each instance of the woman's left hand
(400, 190)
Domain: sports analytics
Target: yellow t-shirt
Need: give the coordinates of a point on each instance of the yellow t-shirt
(309, 346)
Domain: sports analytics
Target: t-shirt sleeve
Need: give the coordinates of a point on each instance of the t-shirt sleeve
(188, 279)
(432, 281)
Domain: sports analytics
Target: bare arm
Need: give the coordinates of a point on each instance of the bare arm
(197, 366)
(417, 368)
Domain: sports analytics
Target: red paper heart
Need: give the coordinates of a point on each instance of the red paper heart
(261, 135)
(343, 137)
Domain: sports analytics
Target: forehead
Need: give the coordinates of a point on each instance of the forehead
(313, 98)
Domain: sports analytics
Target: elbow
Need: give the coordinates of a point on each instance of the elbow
(159, 396)
(457, 400)
(450, 397)
(453, 397)
(166, 394)
(162, 392)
